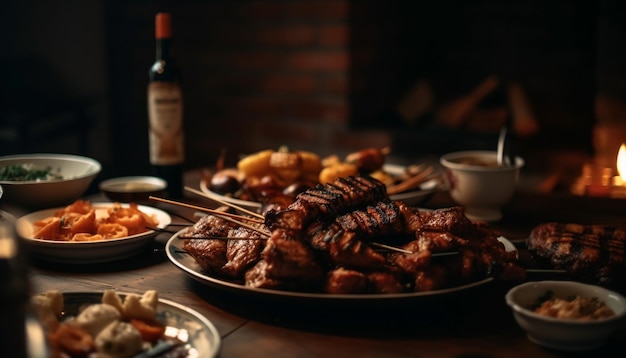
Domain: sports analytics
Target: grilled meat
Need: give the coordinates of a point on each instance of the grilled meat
(452, 220)
(425, 244)
(209, 254)
(289, 258)
(433, 277)
(488, 258)
(230, 258)
(385, 282)
(346, 249)
(343, 242)
(346, 281)
(327, 201)
(324, 242)
(380, 219)
(588, 252)
(343, 281)
(257, 277)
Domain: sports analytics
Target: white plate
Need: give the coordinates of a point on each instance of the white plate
(203, 336)
(87, 251)
(411, 198)
(177, 255)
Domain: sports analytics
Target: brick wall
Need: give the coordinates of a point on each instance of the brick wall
(257, 75)
(317, 74)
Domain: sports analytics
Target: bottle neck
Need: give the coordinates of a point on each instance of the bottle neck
(163, 50)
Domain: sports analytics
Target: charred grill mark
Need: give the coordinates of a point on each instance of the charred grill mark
(325, 201)
(592, 252)
(328, 202)
(376, 220)
(352, 192)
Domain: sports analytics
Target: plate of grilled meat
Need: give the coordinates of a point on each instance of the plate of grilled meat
(262, 179)
(346, 241)
(394, 176)
(590, 253)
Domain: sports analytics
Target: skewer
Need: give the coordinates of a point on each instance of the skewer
(211, 211)
(220, 201)
(392, 248)
(410, 183)
(161, 229)
(221, 238)
(226, 216)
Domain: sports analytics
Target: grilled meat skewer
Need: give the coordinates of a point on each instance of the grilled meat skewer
(320, 243)
(324, 201)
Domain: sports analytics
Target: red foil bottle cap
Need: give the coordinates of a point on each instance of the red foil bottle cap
(163, 26)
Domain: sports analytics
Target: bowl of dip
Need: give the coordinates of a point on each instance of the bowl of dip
(130, 189)
(566, 315)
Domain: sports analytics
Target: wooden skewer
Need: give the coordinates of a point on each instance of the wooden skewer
(236, 207)
(226, 216)
(392, 248)
(260, 231)
(221, 238)
(410, 183)
(207, 210)
(161, 229)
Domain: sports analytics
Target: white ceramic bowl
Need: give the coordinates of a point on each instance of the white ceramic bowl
(477, 183)
(77, 174)
(136, 189)
(559, 333)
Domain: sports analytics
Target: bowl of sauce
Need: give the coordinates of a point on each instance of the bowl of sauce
(477, 182)
(136, 189)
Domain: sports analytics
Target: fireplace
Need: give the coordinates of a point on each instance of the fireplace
(551, 66)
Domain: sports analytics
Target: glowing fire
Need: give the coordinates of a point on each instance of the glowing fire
(621, 162)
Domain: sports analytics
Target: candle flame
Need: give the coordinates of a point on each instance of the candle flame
(621, 162)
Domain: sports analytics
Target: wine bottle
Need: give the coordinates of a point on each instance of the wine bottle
(165, 111)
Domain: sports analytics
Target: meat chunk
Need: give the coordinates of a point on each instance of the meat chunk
(344, 281)
(589, 252)
(209, 254)
(289, 258)
(257, 277)
(229, 258)
(346, 250)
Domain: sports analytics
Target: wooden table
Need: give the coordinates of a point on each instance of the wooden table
(477, 324)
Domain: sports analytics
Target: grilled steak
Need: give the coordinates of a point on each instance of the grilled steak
(226, 258)
(324, 201)
(588, 252)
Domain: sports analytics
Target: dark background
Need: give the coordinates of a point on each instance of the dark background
(323, 75)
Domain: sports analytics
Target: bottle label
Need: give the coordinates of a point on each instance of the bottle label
(165, 111)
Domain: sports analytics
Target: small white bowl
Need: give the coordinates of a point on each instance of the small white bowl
(479, 184)
(559, 333)
(136, 189)
(77, 174)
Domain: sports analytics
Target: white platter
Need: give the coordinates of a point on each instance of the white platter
(87, 251)
(177, 255)
(204, 338)
(412, 198)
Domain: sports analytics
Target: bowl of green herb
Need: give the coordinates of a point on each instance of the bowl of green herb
(35, 181)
